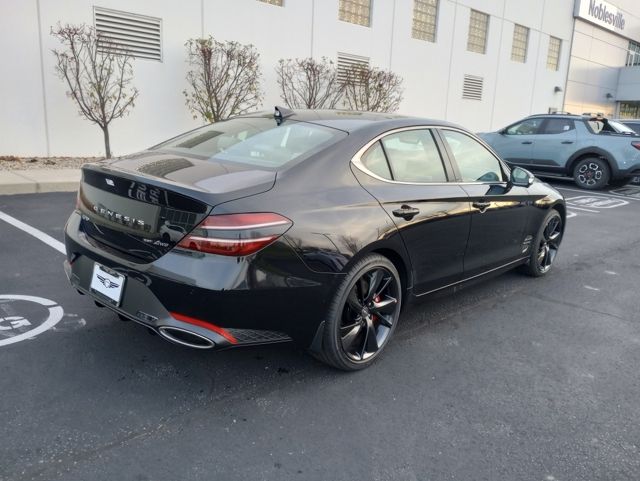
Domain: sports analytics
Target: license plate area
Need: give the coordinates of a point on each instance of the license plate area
(108, 284)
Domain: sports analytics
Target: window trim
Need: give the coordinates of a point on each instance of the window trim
(448, 161)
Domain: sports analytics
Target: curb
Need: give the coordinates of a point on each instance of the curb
(38, 181)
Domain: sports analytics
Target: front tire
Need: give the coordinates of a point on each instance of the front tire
(591, 173)
(546, 245)
(363, 314)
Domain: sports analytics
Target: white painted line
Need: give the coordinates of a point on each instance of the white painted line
(611, 273)
(571, 206)
(605, 194)
(571, 214)
(38, 234)
(591, 288)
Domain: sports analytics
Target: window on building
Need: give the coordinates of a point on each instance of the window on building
(478, 28)
(629, 110)
(520, 43)
(425, 17)
(138, 35)
(553, 54)
(273, 2)
(633, 54)
(355, 11)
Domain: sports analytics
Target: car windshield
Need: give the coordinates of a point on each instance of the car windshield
(258, 141)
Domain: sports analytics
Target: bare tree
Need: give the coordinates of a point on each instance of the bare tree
(224, 79)
(98, 74)
(372, 89)
(309, 83)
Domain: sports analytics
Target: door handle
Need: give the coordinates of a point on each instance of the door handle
(527, 142)
(481, 205)
(567, 142)
(406, 212)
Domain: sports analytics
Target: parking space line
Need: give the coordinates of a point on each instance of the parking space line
(600, 194)
(571, 206)
(38, 234)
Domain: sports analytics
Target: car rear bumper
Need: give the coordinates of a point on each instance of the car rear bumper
(220, 301)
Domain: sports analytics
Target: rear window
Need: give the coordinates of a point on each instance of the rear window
(255, 141)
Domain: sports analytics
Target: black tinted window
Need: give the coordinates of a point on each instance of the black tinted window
(414, 157)
(475, 162)
(558, 126)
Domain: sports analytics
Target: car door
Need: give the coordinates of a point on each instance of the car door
(515, 143)
(500, 210)
(410, 179)
(555, 143)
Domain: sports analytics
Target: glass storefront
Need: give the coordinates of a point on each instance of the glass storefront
(629, 110)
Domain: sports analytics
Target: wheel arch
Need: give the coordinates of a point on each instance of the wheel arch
(590, 152)
(401, 266)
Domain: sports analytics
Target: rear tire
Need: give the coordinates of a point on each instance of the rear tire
(545, 246)
(363, 314)
(591, 173)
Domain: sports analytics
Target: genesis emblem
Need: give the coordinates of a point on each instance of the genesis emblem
(106, 282)
(109, 182)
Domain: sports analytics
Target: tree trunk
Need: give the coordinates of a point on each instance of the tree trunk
(107, 144)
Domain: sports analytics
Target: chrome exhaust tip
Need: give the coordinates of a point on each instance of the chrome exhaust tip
(185, 338)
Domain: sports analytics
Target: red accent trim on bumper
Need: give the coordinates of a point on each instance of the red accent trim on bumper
(207, 325)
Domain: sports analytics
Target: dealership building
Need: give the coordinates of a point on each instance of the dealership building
(479, 63)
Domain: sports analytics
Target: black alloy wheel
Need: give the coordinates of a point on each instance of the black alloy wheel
(363, 315)
(591, 173)
(546, 245)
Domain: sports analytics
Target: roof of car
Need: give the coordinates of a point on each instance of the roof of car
(351, 120)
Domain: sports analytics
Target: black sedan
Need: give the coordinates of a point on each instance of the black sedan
(312, 226)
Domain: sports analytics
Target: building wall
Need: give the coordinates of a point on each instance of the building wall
(597, 57)
(38, 119)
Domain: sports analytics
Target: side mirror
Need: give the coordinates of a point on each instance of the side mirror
(521, 177)
(503, 131)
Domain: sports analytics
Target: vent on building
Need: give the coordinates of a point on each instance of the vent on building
(138, 35)
(347, 62)
(472, 87)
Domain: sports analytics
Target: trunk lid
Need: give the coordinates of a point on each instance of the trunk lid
(140, 206)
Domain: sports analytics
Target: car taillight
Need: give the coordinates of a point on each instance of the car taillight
(236, 234)
(636, 145)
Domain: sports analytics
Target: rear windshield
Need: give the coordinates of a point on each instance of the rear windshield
(255, 141)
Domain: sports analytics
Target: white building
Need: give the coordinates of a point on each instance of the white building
(480, 63)
(604, 70)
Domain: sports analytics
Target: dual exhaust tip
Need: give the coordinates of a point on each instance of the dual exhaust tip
(185, 338)
(173, 334)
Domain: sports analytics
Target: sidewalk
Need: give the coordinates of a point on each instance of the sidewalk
(38, 180)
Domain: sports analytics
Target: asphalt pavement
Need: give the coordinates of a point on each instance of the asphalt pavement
(512, 379)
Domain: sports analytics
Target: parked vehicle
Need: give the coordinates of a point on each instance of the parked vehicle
(633, 124)
(316, 226)
(592, 150)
